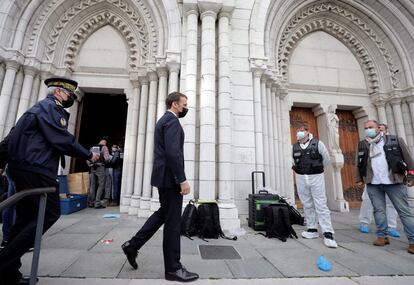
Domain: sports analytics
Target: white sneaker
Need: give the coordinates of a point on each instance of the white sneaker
(330, 242)
(310, 235)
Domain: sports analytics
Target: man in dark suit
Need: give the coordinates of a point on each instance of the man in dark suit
(169, 177)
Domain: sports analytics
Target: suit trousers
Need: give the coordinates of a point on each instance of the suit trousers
(22, 234)
(168, 214)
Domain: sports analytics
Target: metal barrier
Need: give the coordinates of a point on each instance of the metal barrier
(40, 219)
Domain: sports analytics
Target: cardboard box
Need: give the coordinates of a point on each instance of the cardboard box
(76, 184)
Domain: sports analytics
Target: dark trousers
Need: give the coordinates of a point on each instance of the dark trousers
(116, 180)
(23, 232)
(168, 214)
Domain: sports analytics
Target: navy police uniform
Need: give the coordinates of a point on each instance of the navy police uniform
(39, 139)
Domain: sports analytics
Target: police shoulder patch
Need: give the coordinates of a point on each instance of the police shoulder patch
(63, 122)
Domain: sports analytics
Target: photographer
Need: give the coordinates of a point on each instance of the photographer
(381, 163)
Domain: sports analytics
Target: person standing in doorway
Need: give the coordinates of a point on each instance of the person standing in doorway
(97, 176)
(382, 162)
(310, 156)
(116, 164)
(39, 140)
(169, 177)
(366, 211)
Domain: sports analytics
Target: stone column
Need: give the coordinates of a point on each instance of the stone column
(43, 88)
(275, 113)
(228, 210)
(390, 119)
(29, 73)
(6, 91)
(286, 145)
(269, 119)
(189, 121)
(410, 101)
(258, 129)
(382, 116)
(127, 146)
(263, 113)
(333, 179)
(162, 91)
(174, 68)
(280, 113)
(408, 125)
(398, 118)
(2, 73)
(35, 91)
(207, 175)
(14, 101)
(144, 206)
(140, 148)
(130, 149)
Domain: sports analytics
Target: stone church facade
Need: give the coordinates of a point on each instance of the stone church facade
(253, 71)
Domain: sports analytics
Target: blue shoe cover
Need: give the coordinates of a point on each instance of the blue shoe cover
(394, 233)
(324, 264)
(364, 228)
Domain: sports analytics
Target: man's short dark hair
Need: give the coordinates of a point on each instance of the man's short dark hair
(372, 121)
(304, 126)
(173, 97)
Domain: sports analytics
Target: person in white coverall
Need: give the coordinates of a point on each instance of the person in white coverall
(366, 210)
(310, 156)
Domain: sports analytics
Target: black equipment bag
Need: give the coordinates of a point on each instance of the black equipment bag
(189, 220)
(257, 202)
(208, 224)
(278, 222)
(294, 215)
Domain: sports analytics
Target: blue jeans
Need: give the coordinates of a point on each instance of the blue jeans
(399, 198)
(116, 180)
(9, 214)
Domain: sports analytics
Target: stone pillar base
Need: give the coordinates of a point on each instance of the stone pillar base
(133, 208)
(338, 205)
(155, 205)
(144, 208)
(125, 202)
(229, 218)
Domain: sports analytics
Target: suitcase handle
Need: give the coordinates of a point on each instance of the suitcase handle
(263, 192)
(263, 176)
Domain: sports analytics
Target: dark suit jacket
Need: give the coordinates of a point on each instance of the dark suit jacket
(168, 166)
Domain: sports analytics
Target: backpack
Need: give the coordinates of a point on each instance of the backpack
(294, 215)
(189, 220)
(278, 222)
(208, 224)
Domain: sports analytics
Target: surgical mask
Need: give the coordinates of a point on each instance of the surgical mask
(183, 113)
(370, 133)
(300, 135)
(68, 102)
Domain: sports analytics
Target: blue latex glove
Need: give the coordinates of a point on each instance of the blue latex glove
(324, 264)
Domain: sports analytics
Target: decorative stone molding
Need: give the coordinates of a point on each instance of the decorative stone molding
(297, 28)
(93, 24)
(134, 16)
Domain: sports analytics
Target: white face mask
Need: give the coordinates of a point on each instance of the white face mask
(300, 135)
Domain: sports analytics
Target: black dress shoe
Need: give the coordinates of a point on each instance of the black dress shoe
(181, 275)
(131, 254)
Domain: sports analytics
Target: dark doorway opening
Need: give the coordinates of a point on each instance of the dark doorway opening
(100, 116)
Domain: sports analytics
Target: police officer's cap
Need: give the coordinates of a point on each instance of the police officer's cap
(67, 84)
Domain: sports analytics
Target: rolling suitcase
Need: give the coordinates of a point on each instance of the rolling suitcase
(257, 203)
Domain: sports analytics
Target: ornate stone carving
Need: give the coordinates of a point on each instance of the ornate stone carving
(94, 24)
(142, 21)
(293, 33)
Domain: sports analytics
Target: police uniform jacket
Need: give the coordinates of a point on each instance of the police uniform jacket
(40, 138)
(168, 166)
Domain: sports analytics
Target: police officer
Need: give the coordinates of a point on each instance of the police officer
(310, 156)
(37, 143)
(116, 164)
(381, 163)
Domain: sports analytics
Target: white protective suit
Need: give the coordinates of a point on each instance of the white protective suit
(311, 191)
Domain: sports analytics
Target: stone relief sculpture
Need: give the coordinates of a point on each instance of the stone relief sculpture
(332, 126)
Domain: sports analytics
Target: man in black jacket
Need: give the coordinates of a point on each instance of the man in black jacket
(36, 144)
(169, 177)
